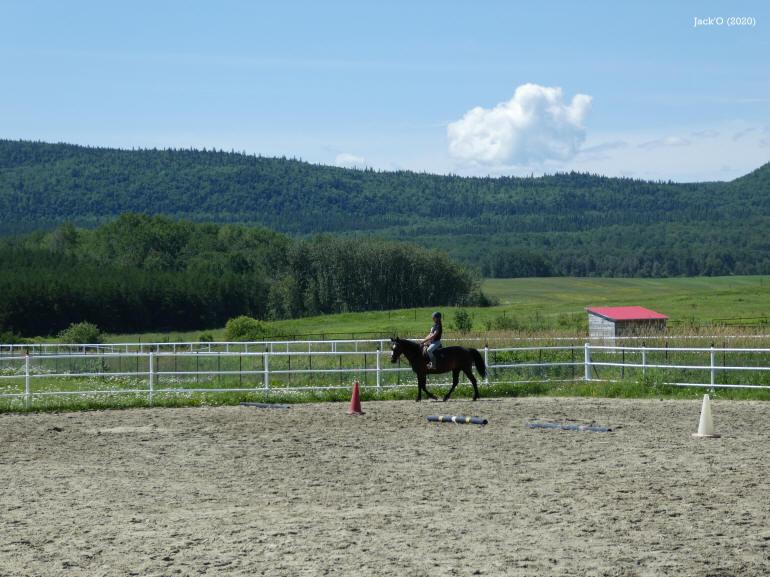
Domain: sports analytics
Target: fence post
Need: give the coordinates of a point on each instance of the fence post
(713, 356)
(644, 360)
(151, 376)
(379, 380)
(623, 362)
(587, 362)
(486, 363)
(266, 364)
(27, 391)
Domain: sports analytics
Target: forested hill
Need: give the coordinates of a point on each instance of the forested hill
(140, 273)
(564, 224)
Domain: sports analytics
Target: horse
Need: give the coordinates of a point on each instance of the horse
(453, 359)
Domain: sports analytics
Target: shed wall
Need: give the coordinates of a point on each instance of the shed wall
(600, 328)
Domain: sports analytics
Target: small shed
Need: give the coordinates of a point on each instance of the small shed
(612, 322)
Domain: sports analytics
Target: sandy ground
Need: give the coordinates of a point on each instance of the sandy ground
(311, 491)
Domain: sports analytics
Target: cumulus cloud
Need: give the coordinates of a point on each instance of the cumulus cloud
(347, 160)
(534, 126)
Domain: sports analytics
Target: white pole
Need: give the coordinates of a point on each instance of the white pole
(151, 376)
(379, 382)
(587, 362)
(27, 392)
(486, 363)
(644, 361)
(266, 379)
(713, 365)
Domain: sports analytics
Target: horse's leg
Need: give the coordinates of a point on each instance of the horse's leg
(420, 387)
(472, 379)
(455, 379)
(425, 387)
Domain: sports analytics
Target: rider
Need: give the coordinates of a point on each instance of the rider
(433, 340)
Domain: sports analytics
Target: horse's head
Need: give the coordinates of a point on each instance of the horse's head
(396, 349)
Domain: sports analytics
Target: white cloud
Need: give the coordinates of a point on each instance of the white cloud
(708, 133)
(347, 160)
(742, 133)
(605, 146)
(705, 153)
(667, 141)
(764, 139)
(602, 150)
(534, 126)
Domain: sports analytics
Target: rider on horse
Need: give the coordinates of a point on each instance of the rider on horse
(433, 340)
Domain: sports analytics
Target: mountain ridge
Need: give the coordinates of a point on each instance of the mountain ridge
(475, 219)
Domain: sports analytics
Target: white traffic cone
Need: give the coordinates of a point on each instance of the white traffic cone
(706, 425)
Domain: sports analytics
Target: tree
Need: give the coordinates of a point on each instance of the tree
(245, 328)
(81, 333)
(463, 321)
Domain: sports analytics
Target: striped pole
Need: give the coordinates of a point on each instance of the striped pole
(566, 427)
(459, 419)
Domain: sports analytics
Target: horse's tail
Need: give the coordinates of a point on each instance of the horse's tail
(479, 360)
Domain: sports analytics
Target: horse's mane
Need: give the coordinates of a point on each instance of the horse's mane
(408, 344)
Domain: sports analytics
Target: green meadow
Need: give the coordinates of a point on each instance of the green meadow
(541, 305)
(534, 308)
(703, 300)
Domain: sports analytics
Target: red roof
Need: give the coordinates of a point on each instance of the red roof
(626, 313)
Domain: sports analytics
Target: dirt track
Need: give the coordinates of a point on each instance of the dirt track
(311, 491)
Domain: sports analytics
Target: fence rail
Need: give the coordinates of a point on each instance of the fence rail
(279, 368)
(334, 345)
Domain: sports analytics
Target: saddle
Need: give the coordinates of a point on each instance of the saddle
(438, 353)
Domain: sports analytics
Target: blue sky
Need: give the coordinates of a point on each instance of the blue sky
(617, 88)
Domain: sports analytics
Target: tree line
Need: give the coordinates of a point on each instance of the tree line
(141, 273)
(561, 224)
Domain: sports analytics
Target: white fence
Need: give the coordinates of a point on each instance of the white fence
(289, 366)
(334, 345)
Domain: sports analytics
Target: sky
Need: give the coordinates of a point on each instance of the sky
(651, 90)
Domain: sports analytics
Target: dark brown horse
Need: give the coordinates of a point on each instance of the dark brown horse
(453, 359)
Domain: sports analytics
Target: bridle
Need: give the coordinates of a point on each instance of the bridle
(396, 352)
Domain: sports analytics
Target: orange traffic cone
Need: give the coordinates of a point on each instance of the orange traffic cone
(355, 401)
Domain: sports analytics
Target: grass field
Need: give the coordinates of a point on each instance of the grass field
(542, 304)
(534, 309)
(702, 299)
